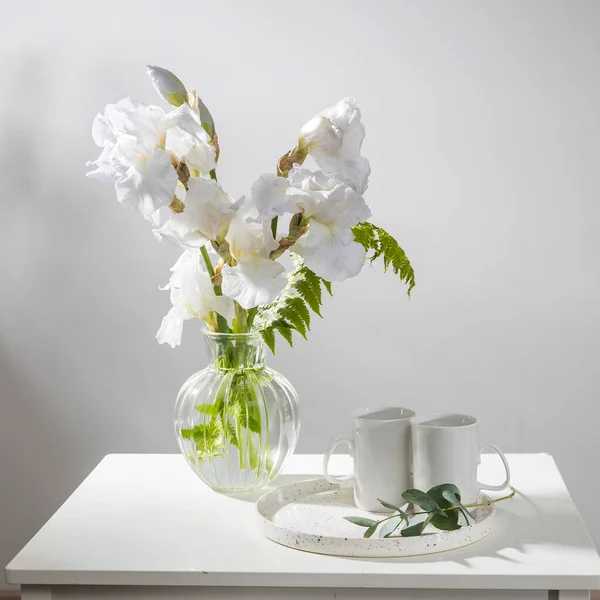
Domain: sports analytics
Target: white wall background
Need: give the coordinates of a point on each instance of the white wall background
(483, 132)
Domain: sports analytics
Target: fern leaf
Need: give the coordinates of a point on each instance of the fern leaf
(302, 310)
(187, 434)
(364, 234)
(307, 292)
(381, 244)
(291, 311)
(208, 439)
(327, 285)
(284, 329)
(291, 315)
(315, 283)
(243, 405)
(208, 409)
(268, 335)
(230, 434)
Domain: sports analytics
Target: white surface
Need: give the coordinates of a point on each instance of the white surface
(309, 515)
(483, 129)
(148, 520)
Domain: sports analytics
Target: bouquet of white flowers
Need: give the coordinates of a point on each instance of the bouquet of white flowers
(232, 273)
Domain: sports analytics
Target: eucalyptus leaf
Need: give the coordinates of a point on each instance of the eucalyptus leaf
(421, 499)
(390, 505)
(466, 514)
(394, 508)
(390, 526)
(454, 498)
(362, 521)
(439, 491)
(415, 530)
(447, 521)
(447, 495)
(369, 532)
(441, 504)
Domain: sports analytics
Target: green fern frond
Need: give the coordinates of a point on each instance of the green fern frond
(310, 292)
(208, 409)
(285, 329)
(208, 439)
(268, 335)
(327, 285)
(230, 434)
(381, 244)
(365, 234)
(242, 405)
(299, 306)
(291, 312)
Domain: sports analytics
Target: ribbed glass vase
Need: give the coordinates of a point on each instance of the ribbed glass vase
(236, 420)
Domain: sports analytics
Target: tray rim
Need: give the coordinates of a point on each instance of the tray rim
(357, 547)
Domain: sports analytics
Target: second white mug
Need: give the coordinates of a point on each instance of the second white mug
(380, 447)
(445, 450)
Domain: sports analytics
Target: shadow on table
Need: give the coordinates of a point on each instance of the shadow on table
(518, 525)
(254, 495)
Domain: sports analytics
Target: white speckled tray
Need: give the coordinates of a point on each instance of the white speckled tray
(309, 516)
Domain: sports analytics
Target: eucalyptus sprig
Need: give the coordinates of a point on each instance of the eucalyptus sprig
(441, 504)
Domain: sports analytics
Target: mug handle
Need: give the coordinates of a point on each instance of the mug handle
(327, 457)
(506, 483)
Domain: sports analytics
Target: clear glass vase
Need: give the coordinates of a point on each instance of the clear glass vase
(236, 420)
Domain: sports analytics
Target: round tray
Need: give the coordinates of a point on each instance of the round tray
(309, 516)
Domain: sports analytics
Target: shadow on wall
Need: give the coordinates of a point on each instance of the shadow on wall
(76, 340)
(36, 442)
(38, 460)
(36, 454)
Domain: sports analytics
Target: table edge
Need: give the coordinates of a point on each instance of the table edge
(306, 580)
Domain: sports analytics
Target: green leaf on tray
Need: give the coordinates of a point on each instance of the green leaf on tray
(390, 505)
(369, 532)
(447, 496)
(417, 529)
(390, 526)
(426, 502)
(361, 521)
(441, 504)
(447, 521)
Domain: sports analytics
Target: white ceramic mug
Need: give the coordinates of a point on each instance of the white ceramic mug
(445, 450)
(380, 447)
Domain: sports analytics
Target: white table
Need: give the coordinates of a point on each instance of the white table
(144, 527)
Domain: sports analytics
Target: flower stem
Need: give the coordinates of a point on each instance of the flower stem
(274, 226)
(251, 314)
(221, 321)
(239, 323)
(208, 263)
